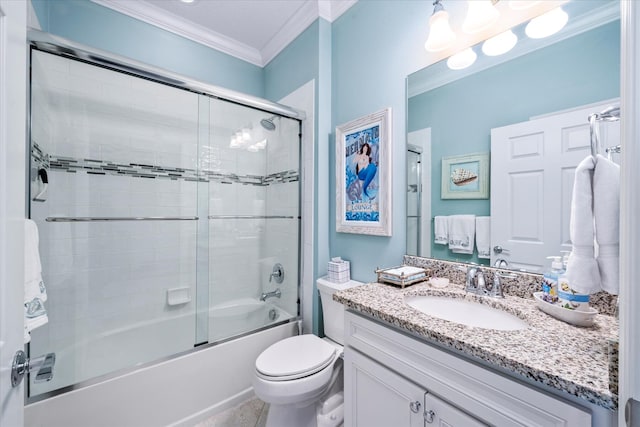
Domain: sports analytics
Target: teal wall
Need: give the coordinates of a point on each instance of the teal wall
(308, 58)
(462, 113)
(375, 45)
(99, 27)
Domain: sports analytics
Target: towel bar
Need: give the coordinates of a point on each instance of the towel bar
(121, 218)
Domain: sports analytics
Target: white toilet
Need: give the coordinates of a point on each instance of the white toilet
(301, 377)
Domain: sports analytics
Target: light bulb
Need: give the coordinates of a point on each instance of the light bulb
(480, 16)
(462, 59)
(246, 136)
(547, 24)
(502, 43)
(440, 34)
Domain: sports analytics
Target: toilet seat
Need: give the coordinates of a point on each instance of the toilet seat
(294, 358)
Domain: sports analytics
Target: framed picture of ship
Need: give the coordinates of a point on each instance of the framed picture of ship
(465, 177)
(363, 175)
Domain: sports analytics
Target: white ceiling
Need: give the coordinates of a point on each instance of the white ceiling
(252, 30)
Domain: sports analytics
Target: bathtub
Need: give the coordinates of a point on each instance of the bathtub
(178, 391)
(241, 315)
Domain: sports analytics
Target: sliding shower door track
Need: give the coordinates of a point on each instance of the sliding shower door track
(252, 217)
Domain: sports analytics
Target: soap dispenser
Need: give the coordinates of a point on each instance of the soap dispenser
(550, 280)
(568, 297)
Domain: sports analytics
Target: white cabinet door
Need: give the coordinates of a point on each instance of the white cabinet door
(532, 172)
(437, 412)
(378, 397)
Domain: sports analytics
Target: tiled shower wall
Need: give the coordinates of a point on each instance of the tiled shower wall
(120, 146)
(263, 241)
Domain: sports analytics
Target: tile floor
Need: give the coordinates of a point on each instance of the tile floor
(252, 413)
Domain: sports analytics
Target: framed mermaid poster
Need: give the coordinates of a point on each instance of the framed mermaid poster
(363, 175)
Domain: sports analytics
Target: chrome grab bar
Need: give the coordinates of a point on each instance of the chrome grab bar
(119, 218)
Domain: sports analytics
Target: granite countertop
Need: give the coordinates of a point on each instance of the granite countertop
(572, 359)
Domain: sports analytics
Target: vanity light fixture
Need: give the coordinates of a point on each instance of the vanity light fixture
(187, 1)
(462, 59)
(440, 34)
(547, 24)
(522, 4)
(480, 16)
(502, 43)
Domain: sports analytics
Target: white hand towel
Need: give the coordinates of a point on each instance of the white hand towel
(606, 210)
(582, 268)
(35, 293)
(462, 230)
(440, 230)
(483, 236)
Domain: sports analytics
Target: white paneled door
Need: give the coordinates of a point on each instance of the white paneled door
(532, 171)
(13, 74)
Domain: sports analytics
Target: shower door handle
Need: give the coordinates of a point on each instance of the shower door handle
(21, 365)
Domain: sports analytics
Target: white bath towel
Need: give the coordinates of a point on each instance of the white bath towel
(35, 293)
(483, 236)
(462, 230)
(582, 268)
(440, 230)
(606, 210)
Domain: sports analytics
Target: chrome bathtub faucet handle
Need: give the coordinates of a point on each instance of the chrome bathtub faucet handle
(277, 273)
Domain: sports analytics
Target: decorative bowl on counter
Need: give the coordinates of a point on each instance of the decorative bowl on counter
(583, 317)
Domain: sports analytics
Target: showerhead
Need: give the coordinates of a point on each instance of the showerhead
(268, 123)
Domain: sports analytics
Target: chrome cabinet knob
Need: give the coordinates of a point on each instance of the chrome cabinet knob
(429, 416)
(415, 406)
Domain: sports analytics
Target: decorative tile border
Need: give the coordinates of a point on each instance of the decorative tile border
(523, 286)
(139, 170)
(39, 158)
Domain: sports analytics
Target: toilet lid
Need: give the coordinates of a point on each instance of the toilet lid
(295, 357)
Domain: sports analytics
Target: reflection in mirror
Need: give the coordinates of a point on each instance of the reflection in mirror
(536, 100)
(414, 192)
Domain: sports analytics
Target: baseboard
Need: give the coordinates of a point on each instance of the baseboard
(234, 400)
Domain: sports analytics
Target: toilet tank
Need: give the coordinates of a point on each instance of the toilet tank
(333, 312)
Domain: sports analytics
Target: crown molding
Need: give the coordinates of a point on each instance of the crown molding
(300, 21)
(332, 10)
(160, 18)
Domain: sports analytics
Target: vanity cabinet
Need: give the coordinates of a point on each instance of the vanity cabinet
(395, 379)
(381, 397)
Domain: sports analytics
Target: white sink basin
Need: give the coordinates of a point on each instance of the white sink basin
(466, 312)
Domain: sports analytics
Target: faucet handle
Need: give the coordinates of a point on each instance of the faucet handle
(496, 289)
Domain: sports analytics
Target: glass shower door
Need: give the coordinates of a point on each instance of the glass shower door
(117, 220)
(253, 166)
(413, 202)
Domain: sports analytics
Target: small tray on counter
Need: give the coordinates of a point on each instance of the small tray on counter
(403, 275)
(574, 317)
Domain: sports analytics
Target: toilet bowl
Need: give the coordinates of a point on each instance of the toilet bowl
(301, 376)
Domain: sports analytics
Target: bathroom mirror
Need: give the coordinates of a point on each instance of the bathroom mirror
(451, 114)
